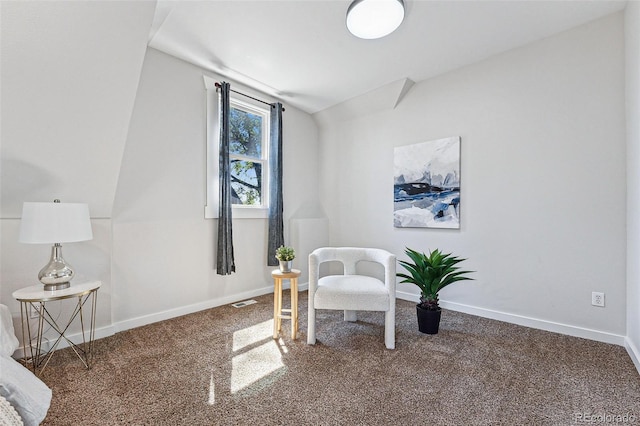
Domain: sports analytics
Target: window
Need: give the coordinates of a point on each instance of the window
(248, 128)
(249, 155)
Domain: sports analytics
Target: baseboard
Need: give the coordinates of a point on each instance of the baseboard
(164, 315)
(570, 330)
(189, 309)
(75, 337)
(555, 327)
(197, 307)
(633, 352)
(585, 333)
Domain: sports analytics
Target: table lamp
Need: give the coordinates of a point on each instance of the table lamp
(55, 223)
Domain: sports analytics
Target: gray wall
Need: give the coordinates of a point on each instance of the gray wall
(543, 179)
(163, 256)
(69, 84)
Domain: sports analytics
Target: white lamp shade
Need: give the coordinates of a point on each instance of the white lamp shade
(50, 223)
(370, 19)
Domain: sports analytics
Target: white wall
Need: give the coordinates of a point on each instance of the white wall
(632, 44)
(69, 76)
(163, 248)
(543, 179)
(548, 116)
(71, 130)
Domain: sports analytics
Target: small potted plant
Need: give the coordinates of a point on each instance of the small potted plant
(431, 273)
(285, 255)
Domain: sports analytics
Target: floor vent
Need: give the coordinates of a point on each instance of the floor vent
(243, 303)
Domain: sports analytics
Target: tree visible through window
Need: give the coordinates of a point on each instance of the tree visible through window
(247, 154)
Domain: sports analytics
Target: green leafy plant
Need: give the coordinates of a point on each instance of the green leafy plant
(285, 253)
(431, 273)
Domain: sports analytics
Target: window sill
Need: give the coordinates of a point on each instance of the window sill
(239, 212)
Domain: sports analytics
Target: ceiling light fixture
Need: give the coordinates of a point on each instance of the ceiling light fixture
(370, 19)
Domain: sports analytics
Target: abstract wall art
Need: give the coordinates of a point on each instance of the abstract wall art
(426, 187)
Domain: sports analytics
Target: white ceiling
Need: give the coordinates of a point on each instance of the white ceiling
(300, 51)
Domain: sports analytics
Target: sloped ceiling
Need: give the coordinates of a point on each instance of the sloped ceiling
(70, 72)
(300, 51)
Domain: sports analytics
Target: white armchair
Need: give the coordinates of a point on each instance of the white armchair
(351, 292)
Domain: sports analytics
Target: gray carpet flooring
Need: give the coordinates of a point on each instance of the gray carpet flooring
(223, 367)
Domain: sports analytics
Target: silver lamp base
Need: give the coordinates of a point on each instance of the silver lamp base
(57, 274)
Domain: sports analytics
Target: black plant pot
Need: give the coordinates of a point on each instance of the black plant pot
(428, 321)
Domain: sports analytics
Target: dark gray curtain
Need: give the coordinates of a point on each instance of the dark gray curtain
(276, 235)
(225, 264)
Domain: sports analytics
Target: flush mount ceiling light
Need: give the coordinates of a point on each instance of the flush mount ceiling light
(371, 19)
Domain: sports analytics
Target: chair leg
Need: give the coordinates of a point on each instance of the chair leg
(390, 329)
(311, 325)
(350, 316)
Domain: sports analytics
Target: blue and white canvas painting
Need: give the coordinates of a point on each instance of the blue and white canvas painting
(426, 187)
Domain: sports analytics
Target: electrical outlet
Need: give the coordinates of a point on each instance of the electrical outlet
(597, 298)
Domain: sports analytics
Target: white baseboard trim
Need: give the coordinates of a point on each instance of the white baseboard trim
(185, 310)
(585, 333)
(189, 309)
(164, 315)
(633, 352)
(596, 335)
(75, 337)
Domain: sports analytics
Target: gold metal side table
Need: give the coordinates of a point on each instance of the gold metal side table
(278, 276)
(36, 297)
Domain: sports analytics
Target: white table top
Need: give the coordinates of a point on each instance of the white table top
(277, 273)
(37, 293)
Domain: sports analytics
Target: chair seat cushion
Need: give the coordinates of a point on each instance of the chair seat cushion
(351, 292)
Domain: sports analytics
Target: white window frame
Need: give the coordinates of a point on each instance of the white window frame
(211, 209)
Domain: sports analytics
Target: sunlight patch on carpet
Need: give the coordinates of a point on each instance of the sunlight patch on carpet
(254, 365)
(212, 391)
(257, 356)
(252, 335)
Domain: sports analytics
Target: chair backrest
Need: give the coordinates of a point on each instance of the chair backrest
(350, 256)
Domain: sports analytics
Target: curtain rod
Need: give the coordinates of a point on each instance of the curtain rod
(250, 97)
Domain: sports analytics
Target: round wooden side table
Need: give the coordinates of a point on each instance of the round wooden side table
(278, 277)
